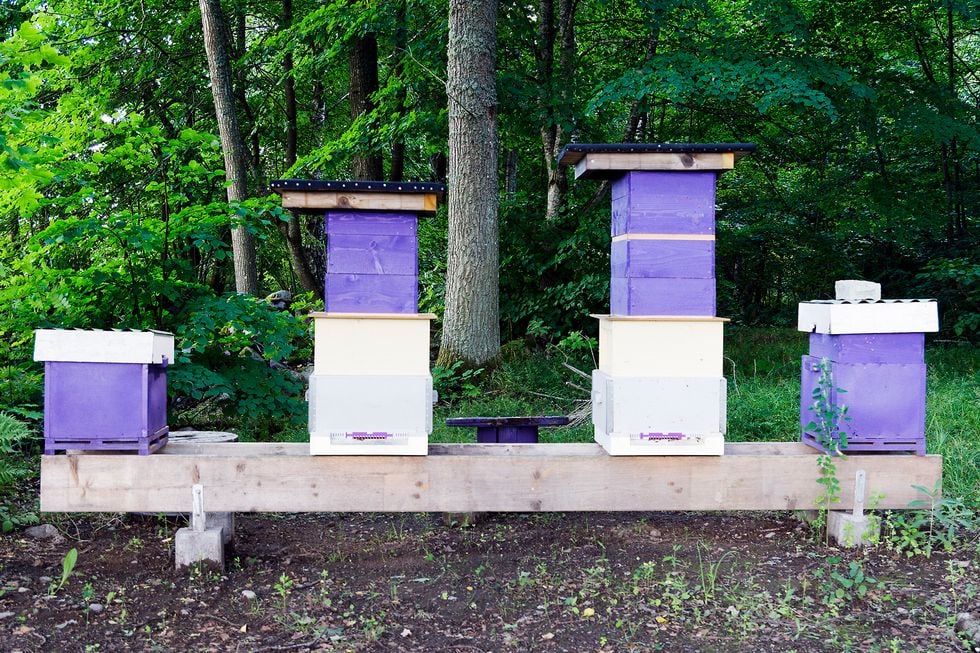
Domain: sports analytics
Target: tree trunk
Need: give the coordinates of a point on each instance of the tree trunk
(397, 170)
(232, 146)
(556, 93)
(471, 323)
(291, 230)
(363, 66)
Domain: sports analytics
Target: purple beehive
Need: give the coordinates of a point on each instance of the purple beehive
(879, 377)
(104, 390)
(663, 257)
(372, 262)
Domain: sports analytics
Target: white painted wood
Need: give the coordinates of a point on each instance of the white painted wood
(883, 317)
(366, 344)
(94, 346)
(661, 347)
(342, 405)
(283, 477)
(860, 480)
(632, 405)
(198, 518)
(641, 236)
(854, 289)
(703, 444)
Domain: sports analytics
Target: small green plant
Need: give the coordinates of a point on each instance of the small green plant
(709, 573)
(832, 439)
(454, 382)
(88, 592)
(67, 567)
(13, 468)
(938, 521)
(283, 587)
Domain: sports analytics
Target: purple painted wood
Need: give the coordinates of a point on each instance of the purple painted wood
(371, 293)
(869, 347)
(509, 430)
(692, 259)
(885, 403)
(660, 296)
(378, 223)
(664, 202)
(371, 254)
(104, 406)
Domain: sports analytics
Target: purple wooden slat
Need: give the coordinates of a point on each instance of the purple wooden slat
(143, 446)
(692, 259)
(506, 434)
(371, 293)
(869, 347)
(367, 254)
(660, 296)
(876, 445)
(664, 202)
(551, 420)
(379, 223)
(104, 401)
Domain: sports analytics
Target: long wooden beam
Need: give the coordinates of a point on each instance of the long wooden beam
(258, 477)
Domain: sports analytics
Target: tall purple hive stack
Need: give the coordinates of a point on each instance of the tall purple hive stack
(660, 387)
(871, 354)
(371, 390)
(104, 390)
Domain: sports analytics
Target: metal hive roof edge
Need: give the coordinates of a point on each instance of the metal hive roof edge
(280, 185)
(574, 152)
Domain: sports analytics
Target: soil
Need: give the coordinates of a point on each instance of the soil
(511, 582)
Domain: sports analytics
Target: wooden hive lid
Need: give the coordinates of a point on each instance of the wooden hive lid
(610, 160)
(97, 346)
(317, 195)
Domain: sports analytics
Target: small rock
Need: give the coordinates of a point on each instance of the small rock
(95, 608)
(968, 625)
(548, 636)
(65, 624)
(6, 615)
(23, 590)
(44, 580)
(770, 535)
(406, 633)
(248, 595)
(654, 533)
(43, 532)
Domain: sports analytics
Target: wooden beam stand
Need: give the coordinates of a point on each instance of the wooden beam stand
(259, 477)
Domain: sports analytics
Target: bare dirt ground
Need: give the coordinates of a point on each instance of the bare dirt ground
(544, 582)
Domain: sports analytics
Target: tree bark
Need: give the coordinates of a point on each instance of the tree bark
(556, 97)
(291, 230)
(471, 323)
(363, 67)
(232, 146)
(397, 170)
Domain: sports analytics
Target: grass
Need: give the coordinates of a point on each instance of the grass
(763, 371)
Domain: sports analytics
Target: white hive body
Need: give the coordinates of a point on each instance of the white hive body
(661, 346)
(841, 317)
(370, 414)
(659, 415)
(94, 346)
(371, 391)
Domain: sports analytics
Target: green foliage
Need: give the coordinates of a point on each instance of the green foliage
(67, 567)
(956, 283)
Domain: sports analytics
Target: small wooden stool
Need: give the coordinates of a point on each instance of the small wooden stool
(507, 430)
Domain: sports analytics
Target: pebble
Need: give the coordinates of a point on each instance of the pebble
(65, 624)
(23, 590)
(248, 595)
(44, 580)
(95, 608)
(6, 615)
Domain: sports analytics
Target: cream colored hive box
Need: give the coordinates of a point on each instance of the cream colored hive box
(632, 444)
(371, 343)
(661, 405)
(370, 415)
(661, 346)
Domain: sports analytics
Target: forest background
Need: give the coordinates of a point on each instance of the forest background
(114, 211)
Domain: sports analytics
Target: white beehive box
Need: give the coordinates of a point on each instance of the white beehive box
(838, 316)
(698, 444)
(94, 346)
(661, 346)
(635, 405)
(365, 343)
(370, 415)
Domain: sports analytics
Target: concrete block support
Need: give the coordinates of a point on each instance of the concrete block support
(853, 529)
(200, 545)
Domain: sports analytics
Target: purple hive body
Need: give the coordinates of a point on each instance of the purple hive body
(372, 262)
(664, 203)
(869, 347)
(663, 276)
(662, 296)
(691, 259)
(105, 406)
(885, 403)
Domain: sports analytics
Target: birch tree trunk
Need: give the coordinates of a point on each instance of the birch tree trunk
(232, 146)
(471, 324)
